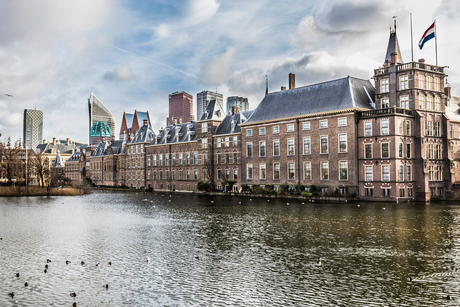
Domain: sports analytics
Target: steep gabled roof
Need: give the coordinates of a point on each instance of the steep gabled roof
(231, 123)
(58, 161)
(144, 135)
(213, 111)
(340, 94)
(175, 133)
(393, 46)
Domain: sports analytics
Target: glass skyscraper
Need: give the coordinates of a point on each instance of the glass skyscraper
(239, 102)
(33, 128)
(99, 113)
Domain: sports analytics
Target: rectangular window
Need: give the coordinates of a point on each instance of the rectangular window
(235, 140)
(195, 158)
(408, 127)
(400, 150)
(421, 82)
(437, 104)
(262, 171)
(436, 84)
(249, 149)
(429, 83)
(408, 151)
(219, 143)
(204, 143)
(439, 172)
(276, 171)
(385, 173)
(401, 192)
(429, 127)
(404, 102)
(369, 191)
(167, 159)
(408, 173)
(249, 132)
(429, 102)
(227, 158)
(188, 175)
(161, 160)
(324, 170)
(437, 128)
(384, 86)
(204, 127)
(368, 129)
(188, 158)
(291, 171)
(369, 174)
(306, 146)
(235, 157)
(155, 160)
(451, 130)
(422, 102)
(400, 126)
(403, 82)
(195, 175)
(218, 158)
(235, 174)
(368, 151)
(173, 159)
(227, 141)
(261, 131)
(409, 192)
(343, 170)
(290, 147)
(249, 171)
(401, 173)
(276, 147)
(324, 146)
(431, 172)
(307, 170)
(385, 150)
(342, 143)
(438, 151)
(429, 151)
(385, 126)
(262, 149)
(276, 129)
(342, 121)
(181, 159)
(385, 103)
(306, 126)
(290, 127)
(323, 124)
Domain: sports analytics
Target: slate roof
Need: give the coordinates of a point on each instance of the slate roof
(213, 111)
(63, 148)
(340, 94)
(176, 133)
(393, 46)
(226, 127)
(144, 135)
(100, 149)
(58, 160)
(117, 147)
(75, 157)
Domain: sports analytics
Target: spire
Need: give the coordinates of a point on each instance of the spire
(266, 84)
(58, 161)
(393, 46)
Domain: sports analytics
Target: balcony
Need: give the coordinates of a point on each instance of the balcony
(408, 66)
(385, 112)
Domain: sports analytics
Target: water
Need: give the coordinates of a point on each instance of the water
(226, 253)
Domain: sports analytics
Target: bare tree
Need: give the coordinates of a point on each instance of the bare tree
(11, 164)
(208, 168)
(40, 167)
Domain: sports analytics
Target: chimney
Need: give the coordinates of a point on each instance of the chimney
(394, 58)
(283, 88)
(44, 141)
(387, 63)
(54, 141)
(291, 81)
(67, 141)
(235, 110)
(421, 61)
(180, 120)
(145, 122)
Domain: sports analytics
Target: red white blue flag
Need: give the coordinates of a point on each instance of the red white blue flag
(429, 34)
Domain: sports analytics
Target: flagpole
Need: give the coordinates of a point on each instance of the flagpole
(435, 42)
(411, 39)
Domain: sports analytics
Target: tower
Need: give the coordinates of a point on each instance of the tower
(32, 128)
(205, 97)
(180, 107)
(98, 112)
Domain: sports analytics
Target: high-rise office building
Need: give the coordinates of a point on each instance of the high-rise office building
(180, 108)
(205, 97)
(235, 101)
(33, 128)
(99, 113)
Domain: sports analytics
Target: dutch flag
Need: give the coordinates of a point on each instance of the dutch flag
(429, 34)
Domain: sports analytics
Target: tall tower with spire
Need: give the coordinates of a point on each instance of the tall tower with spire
(404, 151)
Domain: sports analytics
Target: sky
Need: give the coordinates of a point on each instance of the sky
(133, 54)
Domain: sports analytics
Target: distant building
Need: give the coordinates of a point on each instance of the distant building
(99, 113)
(131, 123)
(33, 127)
(202, 100)
(100, 131)
(180, 108)
(235, 101)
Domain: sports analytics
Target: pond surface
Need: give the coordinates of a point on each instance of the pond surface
(220, 251)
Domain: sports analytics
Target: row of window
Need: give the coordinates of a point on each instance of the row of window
(385, 150)
(221, 142)
(428, 83)
(225, 158)
(307, 171)
(369, 191)
(177, 159)
(385, 173)
(182, 175)
(324, 148)
(342, 121)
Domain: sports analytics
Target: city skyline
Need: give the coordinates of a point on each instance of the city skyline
(68, 50)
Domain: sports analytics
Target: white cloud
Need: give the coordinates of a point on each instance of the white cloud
(217, 70)
(120, 73)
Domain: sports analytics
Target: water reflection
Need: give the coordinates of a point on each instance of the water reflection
(232, 251)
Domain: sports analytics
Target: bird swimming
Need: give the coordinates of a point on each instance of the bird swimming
(98, 264)
(110, 262)
(11, 294)
(26, 284)
(148, 259)
(48, 260)
(17, 274)
(106, 286)
(82, 263)
(67, 262)
(46, 271)
(46, 266)
(73, 294)
(319, 261)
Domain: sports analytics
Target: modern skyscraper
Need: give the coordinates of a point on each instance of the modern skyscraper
(207, 96)
(99, 113)
(180, 107)
(239, 102)
(33, 128)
